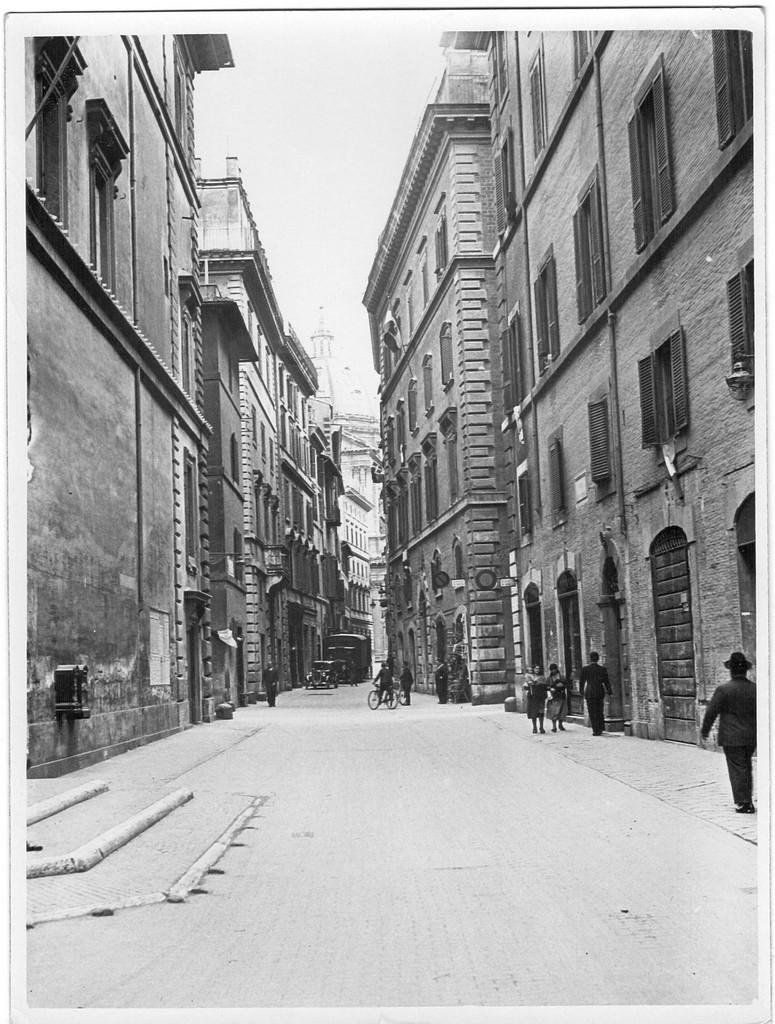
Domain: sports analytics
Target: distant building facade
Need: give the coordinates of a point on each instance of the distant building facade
(436, 346)
(118, 574)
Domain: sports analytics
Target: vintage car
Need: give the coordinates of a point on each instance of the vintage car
(324, 674)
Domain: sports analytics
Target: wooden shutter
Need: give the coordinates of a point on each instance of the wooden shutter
(596, 243)
(581, 276)
(542, 338)
(535, 97)
(648, 405)
(553, 326)
(638, 212)
(508, 393)
(500, 208)
(724, 116)
(556, 475)
(523, 487)
(666, 204)
(736, 316)
(509, 191)
(679, 380)
(599, 440)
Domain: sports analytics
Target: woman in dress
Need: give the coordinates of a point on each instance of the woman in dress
(557, 708)
(536, 688)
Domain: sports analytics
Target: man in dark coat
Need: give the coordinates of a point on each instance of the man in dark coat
(385, 679)
(595, 685)
(406, 684)
(734, 703)
(270, 683)
(442, 682)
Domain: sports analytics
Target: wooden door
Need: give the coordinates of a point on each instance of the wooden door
(674, 635)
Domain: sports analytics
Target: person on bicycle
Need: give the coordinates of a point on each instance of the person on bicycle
(385, 679)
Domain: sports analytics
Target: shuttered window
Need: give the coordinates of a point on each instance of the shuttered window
(588, 243)
(547, 325)
(733, 73)
(390, 440)
(664, 393)
(557, 475)
(505, 191)
(599, 440)
(523, 496)
(445, 345)
(650, 172)
(741, 311)
(538, 103)
(512, 369)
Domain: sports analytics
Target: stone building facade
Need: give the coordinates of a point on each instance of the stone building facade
(118, 571)
(429, 296)
(625, 302)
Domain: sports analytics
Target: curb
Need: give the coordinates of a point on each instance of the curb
(93, 852)
(90, 909)
(180, 889)
(55, 804)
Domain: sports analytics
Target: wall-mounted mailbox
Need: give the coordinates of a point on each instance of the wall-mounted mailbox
(70, 693)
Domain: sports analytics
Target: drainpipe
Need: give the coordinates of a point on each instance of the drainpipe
(139, 472)
(613, 368)
(132, 183)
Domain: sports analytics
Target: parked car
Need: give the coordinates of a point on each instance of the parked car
(324, 675)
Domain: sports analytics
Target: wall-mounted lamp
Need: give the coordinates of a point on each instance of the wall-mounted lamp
(740, 382)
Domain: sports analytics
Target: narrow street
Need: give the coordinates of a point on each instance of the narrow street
(427, 856)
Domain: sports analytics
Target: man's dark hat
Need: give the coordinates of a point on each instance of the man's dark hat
(737, 662)
(553, 668)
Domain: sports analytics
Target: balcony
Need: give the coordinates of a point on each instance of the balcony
(276, 560)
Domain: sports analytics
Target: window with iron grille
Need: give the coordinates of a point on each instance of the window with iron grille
(445, 346)
(664, 394)
(588, 243)
(741, 310)
(523, 497)
(599, 440)
(538, 102)
(557, 476)
(652, 182)
(547, 325)
(582, 44)
(733, 72)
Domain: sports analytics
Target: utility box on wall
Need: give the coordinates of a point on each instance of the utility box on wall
(70, 693)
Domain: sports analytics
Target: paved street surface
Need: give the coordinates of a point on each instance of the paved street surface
(431, 856)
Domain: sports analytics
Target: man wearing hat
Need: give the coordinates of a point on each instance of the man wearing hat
(734, 703)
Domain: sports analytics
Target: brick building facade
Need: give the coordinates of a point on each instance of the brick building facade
(429, 296)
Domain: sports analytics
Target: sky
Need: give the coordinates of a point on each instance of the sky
(320, 110)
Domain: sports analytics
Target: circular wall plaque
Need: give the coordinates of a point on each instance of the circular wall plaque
(486, 579)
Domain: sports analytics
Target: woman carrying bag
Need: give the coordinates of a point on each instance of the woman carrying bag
(557, 705)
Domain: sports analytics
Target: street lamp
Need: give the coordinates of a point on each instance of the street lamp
(740, 382)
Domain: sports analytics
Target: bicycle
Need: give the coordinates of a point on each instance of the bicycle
(391, 701)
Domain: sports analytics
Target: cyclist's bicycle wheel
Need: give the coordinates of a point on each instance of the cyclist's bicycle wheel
(402, 698)
(373, 699)
(393, 700)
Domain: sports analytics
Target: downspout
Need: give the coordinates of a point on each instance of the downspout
(139, 494)
(132, 183)
(613, 367)
(536, 495)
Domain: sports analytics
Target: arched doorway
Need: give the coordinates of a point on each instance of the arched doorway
(674, 634)
(745, 535)
(570, 620)
(533, 651)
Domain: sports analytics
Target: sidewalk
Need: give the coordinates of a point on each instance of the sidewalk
(206, 759)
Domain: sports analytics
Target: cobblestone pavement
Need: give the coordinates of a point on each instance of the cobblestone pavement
(431, 856)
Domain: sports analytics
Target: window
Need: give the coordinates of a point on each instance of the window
(410, 310)
(411, 401)
(523, 496)
(263, 441)
(283, 429)
(424, 278)
(234, 452)
(547, 326)
(431, 479)
(258, 512)
(253, 426)
(505, 192)
(582, 44)
(401, 431)
(588, 241)
(445, 345)
(451, 442)
(238, 556)
(189, 498)
(513, 381)
(457, 556)
(51, 127)
(387, 361)
(403, 513)
(186, 352)
(441, 244)
(181, 97)
(664, 398)
(415, 493)
(538, 103)
(568, 597)
(501, 68)
(599, 440)
(557, 476)
(390, 439)
(427, 375)
(107, 149)
(535, 648)
(741, 307)
(652, 183)
(733, 71)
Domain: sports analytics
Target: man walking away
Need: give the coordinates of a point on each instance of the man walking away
(270, 683)
(442, 682)
(406, 684)
(734, 703)
(595, 685)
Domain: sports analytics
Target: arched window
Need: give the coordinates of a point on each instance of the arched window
(534, 653)
(568, 596)
(745, 526)
(457, 554)
(610, 582)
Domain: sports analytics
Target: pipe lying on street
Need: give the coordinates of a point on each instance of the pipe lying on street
(60, 802)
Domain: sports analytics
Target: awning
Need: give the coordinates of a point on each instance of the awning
(227, 637)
